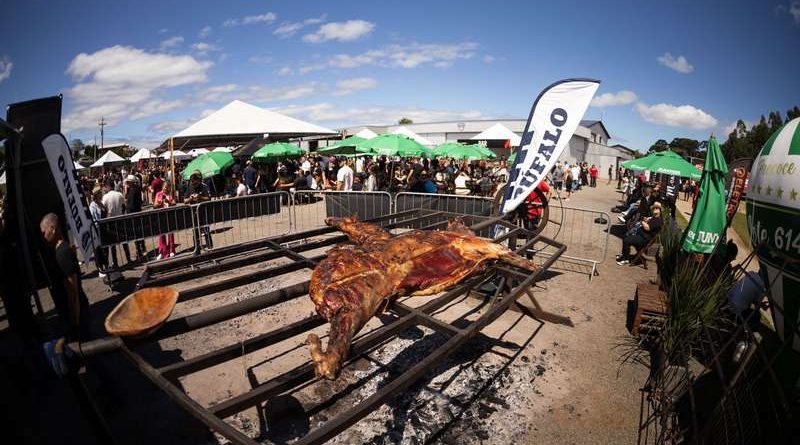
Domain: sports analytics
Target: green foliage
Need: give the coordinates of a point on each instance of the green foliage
(660, 145)
(746, 143)
(405, 121)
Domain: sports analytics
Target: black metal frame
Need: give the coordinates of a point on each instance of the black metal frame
(510, 285)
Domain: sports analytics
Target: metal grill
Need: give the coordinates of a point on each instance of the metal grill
(509, 284)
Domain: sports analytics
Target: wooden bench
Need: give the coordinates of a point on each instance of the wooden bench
(650, 307)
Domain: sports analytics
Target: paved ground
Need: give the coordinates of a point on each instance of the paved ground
(523, 381)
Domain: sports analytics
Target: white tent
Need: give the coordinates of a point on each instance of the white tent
(239, 123)
(141, 154)
(366, 133)
(177, 154)
(406, 132)
(108, 158)
(78, 166)
(195, 152)
(225, 149)
(498, 132)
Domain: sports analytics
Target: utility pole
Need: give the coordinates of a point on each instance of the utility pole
(102, 124)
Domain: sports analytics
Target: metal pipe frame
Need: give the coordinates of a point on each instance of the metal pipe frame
(511, 286)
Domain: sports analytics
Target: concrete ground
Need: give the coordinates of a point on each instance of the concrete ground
(552, 380)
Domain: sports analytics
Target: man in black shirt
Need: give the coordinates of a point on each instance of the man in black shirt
(198, 192)
(68, 296)
(133, 204)
(250, 177)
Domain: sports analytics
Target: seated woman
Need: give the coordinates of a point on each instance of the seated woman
(641, 234)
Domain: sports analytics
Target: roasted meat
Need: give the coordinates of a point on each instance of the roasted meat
(357, 280)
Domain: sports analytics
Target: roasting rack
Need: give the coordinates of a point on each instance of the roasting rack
(508, 285)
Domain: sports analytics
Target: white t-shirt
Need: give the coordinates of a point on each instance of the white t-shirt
(114, 202)
(461, 185)
(345, 176)
(241, 189)
(360, 164)
(305, 165)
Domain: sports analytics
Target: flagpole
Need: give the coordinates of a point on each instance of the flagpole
(172, 164)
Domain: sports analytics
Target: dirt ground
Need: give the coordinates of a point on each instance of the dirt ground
(523, 380)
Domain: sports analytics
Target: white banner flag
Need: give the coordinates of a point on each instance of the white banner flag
(555, 115)
(66, 179)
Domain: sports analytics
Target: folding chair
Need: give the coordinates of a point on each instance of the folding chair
(640, 254)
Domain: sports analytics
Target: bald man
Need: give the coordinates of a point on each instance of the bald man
(68, 296)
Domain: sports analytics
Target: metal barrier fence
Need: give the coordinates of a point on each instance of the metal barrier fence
(464, 205)
(584, 232)
(139, 233)
(256, 217)
(211, 224)
(311, 207)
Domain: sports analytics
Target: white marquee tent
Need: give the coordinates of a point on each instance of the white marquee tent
(238, 123)
(143, 153)
(406, 132)
(195, 152)
(177, 154)
(225, 149)
(498, 132)
(108, 158)
(366, 133)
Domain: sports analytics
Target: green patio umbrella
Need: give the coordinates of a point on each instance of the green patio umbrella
(276, 151)
(709, 220)
(457, 150)
(345, 147)
(209, 164)
(665, 163)
(392, 145)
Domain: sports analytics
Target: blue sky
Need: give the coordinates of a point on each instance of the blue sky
(151, 68)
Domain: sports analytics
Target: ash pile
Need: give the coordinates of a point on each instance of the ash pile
(481, 394)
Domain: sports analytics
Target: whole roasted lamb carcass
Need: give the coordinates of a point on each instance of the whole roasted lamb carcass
(355, 281)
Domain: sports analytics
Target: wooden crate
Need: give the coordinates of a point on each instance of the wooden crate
(650, 307)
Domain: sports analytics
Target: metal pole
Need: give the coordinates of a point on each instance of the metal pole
(172, 164)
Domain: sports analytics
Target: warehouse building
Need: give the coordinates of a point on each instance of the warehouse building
(589, 143)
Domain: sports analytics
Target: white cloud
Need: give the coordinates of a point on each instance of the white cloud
(340, 31)
(256, 93)
(794, 10)
(122, 82)
(170, 43)
(288, 29)
(399, 56)
(285, 71)
(205, 32)
(163, 30)
(5, 68)
(679, 64)
(488, 58)
(260, 60)
(218, 92)
(349, 86)
(623, 97)
(251, 20)
(203, 48)
(326, 112)
(685, 116)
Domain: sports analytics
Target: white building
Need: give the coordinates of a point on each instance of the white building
(588, 144)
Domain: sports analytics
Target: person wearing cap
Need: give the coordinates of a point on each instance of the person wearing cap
(133, 204)
(641, 234)
(198, 192)
(114, 203)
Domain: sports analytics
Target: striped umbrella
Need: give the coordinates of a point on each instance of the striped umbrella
(773, 215)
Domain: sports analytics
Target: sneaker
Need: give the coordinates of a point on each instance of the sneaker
(159, 257)
(622, 262)
(621, 219)
(619, 257)
(172, 254)
(101, 274)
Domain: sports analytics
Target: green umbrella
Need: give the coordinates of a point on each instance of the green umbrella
(709, 219)
(209, 164)
(345, 147)
(277, 150)
(456, 150)
(665, 163)
(392, 145)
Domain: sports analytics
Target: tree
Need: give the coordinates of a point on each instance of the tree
(775, 121)
(684, 146)
(793, 113)
(405, 121)
(90, 151)
(660, 145)
(77, 147)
